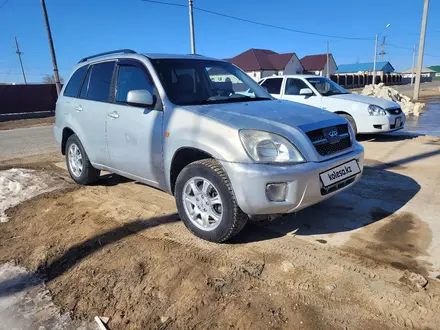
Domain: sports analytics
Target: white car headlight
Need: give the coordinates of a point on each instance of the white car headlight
(268, 147)
(375, 110)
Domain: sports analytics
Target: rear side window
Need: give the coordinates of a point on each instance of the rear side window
(72, 88)
(273, 85)
(100, 80)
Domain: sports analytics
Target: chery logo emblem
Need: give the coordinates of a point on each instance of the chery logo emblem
(333, 134)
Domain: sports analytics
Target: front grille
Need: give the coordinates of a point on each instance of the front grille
(396, 111)
(324, 144)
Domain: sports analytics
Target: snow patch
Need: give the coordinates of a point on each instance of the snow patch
(26, 304)
(18, 185)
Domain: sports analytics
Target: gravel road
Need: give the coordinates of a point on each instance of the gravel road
(26, 141)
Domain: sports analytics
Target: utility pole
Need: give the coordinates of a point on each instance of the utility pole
(19, 58)
(421, 50)
(191, 27)
(413, 64)
(328, 63)
(52, 49)
(382, 52)
(375, 58)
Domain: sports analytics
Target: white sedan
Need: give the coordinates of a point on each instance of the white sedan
(366, 114)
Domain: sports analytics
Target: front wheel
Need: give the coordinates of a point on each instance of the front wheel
(206, 202)
(351, 121)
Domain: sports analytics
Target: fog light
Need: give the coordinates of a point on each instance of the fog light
(276, 192)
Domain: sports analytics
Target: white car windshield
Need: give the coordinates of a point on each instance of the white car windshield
(192, 82)
(326, 87)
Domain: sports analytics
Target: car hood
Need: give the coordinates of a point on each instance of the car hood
(384, 104)
(256, 114)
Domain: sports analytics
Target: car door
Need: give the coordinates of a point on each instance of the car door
(273, 86)
(292, 90)
(91, 110)
(134, 133)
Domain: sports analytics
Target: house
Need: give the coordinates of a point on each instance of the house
(427, 74)
(381, 68)
(260, 63)
(436, 68)
(317, 64)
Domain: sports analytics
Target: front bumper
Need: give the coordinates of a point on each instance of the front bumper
(304, 184)
(381, 124)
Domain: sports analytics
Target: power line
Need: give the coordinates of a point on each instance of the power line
(4, 3)
(411, 49)
(258, 23)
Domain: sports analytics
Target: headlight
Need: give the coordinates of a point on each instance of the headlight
(374, 110)
(268, 147)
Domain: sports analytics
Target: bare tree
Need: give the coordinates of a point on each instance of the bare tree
(50, 79)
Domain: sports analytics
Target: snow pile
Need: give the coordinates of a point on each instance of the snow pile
(26, 304)
(18, 185)
(391, 94)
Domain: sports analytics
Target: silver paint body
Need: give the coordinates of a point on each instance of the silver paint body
(131, 141)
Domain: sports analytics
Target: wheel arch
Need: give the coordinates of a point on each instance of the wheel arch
(183, 157)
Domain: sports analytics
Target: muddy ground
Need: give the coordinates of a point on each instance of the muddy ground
(26, 123)
(118, 249)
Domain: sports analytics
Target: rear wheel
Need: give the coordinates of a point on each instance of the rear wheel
(351, 121)
(78, 164)
(206, 202)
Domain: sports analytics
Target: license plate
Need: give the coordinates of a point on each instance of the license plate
(340, 173)
(398, 122)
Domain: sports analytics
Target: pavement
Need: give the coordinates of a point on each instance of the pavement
(27, 142)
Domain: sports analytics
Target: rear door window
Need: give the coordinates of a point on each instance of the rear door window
(100, 81)
(273, 85)
(74, 84)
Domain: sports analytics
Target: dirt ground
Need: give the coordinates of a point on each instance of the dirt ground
(26, 123)
(118, 249)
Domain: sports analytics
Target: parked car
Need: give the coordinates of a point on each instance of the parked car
(174, 122)
(366, 114)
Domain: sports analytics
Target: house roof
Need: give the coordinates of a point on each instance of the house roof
(314, 62)
(261, 59)
(356, 67)
(424, 70)
(436, 68)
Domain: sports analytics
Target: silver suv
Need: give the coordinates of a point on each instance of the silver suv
(202, 130)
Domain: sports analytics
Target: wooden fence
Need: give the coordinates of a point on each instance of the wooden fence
(356, 80)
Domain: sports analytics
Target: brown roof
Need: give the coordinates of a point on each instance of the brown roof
(261, 59)
(314, 62)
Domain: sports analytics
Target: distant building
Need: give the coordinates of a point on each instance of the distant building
(317, 64)
(260, 63)
(381, 67)
(436, 68)
(427, 74)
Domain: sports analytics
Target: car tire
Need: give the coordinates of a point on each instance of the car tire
(78, 163)
(190, 183)
(351, 121)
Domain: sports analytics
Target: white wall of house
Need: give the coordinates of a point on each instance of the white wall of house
(256, 75)
(293, 66)
(423, 74)
(268, 73)
(332, 67)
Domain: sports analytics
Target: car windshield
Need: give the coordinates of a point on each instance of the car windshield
(326, 87)
(192, 82)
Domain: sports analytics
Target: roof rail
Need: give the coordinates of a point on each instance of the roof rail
(124, 51)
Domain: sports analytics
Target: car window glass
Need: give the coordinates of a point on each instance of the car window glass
(273, 85)
(100, 80)
(85, 85)
(293, 86)
(225, 83)
(131, 78)
(75, 81)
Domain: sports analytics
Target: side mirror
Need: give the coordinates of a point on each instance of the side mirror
(140, 97)
(306, 92)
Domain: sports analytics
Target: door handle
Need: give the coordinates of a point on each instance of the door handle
(79, 108)
(113, 115)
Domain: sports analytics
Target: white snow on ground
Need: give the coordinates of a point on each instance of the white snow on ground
(25, 303)
(18, 185)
